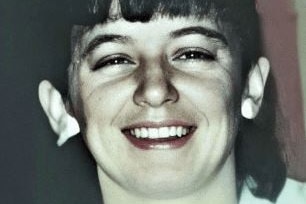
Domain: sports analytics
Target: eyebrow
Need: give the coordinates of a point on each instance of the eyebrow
(105, 38)
(200, 30)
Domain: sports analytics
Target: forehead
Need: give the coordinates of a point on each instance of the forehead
(227, 14)
(158, 27)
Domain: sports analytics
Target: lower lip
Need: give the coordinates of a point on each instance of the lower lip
(159, 144)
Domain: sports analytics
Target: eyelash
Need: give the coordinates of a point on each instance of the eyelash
(184, 54)
(194, 54)
(113, 60)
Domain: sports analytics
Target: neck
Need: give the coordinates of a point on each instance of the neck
(222, 190)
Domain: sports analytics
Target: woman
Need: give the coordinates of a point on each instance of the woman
(168, 97)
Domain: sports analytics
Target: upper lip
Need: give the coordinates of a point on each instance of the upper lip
(159, 124)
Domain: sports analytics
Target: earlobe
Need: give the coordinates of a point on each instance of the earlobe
(248, 109)
(63, 124)
(254, 90)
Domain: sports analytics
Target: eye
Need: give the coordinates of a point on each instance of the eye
(194, 54)
(113, 61)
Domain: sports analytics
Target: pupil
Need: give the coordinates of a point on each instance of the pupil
(193, 55)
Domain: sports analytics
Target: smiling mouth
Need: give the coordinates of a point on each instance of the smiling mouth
(159, 137)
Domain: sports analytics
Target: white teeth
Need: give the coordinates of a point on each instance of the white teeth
(172, 131)
(163, 132)
(153, 133)
(137, 133)
(144, 132)
(179, 131)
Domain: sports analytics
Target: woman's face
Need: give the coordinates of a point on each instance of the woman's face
(159, 103)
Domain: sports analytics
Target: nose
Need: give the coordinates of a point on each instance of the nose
(155, 88)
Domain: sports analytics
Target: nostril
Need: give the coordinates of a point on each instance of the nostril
(173, 95)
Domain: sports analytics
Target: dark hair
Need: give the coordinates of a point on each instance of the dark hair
(239, 16)
(259, 162)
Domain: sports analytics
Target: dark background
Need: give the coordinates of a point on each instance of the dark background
(34, 45)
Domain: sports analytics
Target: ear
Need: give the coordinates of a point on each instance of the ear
(63, 124)
(254, 89)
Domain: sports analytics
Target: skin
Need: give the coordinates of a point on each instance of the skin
(152, 75)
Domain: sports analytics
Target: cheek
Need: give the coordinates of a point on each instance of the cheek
(103, 104)
(210, 95)
(104, 101)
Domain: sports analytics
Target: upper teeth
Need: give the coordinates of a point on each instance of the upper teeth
(162, 132)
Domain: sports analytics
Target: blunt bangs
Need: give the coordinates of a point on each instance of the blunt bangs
(144, 10)
(240, 19)
(238, 16)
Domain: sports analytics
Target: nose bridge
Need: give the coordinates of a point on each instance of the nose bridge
(154, 86)
(155, 75)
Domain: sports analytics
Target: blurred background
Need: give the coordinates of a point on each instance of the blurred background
(34, 45)
(300, 9)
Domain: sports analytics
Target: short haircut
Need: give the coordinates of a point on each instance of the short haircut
(239, 16)
(259, 163)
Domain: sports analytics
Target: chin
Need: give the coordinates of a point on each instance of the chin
(162, 185)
